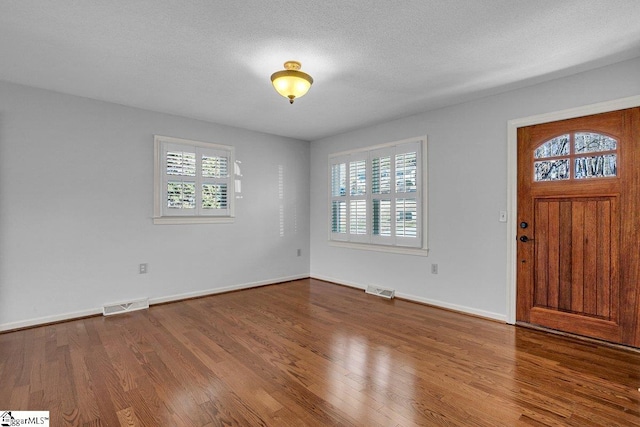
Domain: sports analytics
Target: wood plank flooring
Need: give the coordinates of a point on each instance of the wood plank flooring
(310, 353)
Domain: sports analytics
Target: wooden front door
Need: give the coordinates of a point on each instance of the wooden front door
(579, 226)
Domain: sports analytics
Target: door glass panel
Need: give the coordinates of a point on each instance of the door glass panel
(585, 166)
(596, 166)
(551, 170)
(588, 142)
(558, 146)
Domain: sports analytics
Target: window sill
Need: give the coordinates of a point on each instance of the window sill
(193, 220)
(381, 248)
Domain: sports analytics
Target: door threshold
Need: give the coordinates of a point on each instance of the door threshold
(579, 337)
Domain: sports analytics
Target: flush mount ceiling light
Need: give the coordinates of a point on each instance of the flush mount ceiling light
(291, 82)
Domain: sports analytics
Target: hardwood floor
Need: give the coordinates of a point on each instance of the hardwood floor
(309, 353)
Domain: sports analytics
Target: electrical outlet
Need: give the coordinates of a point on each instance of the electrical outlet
(143, 269)
(434, 268)
(503, 216)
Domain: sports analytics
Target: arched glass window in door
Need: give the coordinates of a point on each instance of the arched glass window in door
(578, 155)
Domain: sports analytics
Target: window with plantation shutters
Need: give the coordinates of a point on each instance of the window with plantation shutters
(377, 197)
(193, 181)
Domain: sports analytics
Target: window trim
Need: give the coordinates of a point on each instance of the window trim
(158, 178)
(422, 249)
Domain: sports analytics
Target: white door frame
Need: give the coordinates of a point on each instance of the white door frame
(512, 177)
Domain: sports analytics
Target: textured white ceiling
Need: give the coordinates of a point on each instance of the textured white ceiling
(372, 60)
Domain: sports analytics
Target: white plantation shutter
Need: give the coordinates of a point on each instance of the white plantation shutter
(382, 200)
(193, 180)
(179, 181)
(408, 195)
(339, 217)
(358, 218)
(376, 195)
(215, 182)
(338, 189)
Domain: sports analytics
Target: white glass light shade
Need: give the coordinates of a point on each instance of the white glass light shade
(291, 82)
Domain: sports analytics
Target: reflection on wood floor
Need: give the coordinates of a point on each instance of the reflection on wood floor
(310, 353)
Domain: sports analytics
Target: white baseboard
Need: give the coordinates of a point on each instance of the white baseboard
(160, 300)
(49, 319)
(338, 281)
(178, 297)
(435, 303)
(454, 307)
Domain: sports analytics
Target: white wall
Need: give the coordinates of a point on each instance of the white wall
(467, 149)
(76, 201)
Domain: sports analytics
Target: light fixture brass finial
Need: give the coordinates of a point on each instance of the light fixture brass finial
(291, 82)
(292, 65)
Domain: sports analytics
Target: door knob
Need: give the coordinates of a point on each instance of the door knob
(524, 239)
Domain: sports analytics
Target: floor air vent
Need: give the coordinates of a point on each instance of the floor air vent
(381, 292)
(125, 307)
